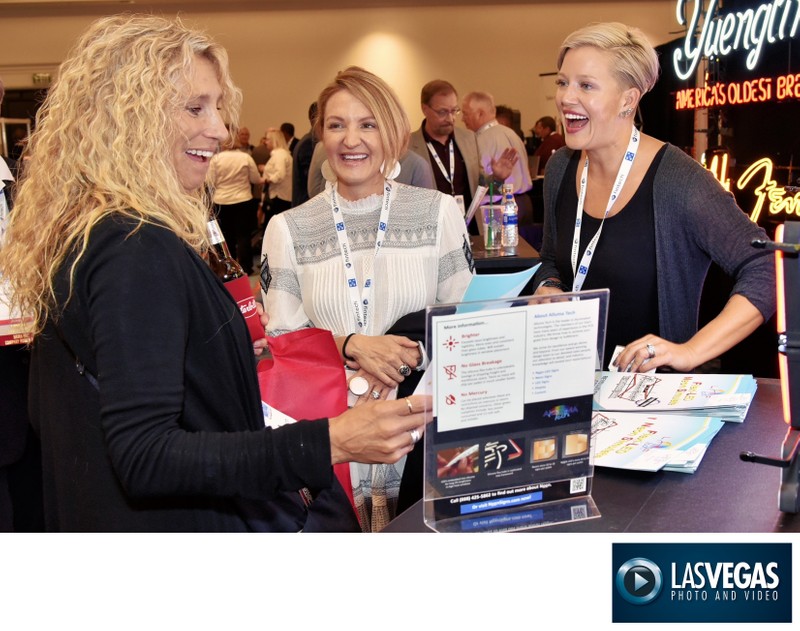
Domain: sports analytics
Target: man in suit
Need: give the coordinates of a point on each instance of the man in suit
(453, 151)
(301, 160)
(287, 129)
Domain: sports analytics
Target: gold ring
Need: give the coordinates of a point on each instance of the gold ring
(410, 407)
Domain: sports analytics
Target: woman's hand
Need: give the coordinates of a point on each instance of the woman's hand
(548, 291)
(374, 385)
(379, 432)
(260, 345)
(651, 351)
(384, 356)
(738, 319)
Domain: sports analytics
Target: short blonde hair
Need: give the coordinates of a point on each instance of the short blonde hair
(378, 98)
(277, 138)
(635, 62)
(103, 145)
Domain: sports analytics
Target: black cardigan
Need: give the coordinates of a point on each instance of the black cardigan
(174, 439)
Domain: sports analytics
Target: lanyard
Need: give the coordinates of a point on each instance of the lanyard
(622, 175)
(438, 161)
(360, 300)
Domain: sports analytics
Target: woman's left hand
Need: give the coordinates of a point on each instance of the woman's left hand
(260, 345)
(651, 351)
(385, 357)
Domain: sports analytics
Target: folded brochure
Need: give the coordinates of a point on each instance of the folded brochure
(724, 396)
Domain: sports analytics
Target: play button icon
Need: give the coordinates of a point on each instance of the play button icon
(639, 581)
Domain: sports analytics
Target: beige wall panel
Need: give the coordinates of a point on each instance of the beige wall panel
(281, 60)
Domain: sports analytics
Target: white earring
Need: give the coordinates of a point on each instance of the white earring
(395, 171)
(327, 172)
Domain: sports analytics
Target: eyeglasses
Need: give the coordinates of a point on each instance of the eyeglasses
(445, 113)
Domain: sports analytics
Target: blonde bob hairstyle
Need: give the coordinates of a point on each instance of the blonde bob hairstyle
(103, 145)
(634, 60)
(378, 98)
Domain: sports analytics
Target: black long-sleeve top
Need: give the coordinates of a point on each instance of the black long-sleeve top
(173, 439)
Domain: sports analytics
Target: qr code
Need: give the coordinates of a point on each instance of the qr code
(579, 512)
(577, 485)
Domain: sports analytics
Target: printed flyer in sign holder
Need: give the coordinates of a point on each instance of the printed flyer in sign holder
(510, 442)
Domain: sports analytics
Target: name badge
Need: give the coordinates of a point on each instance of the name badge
(462, 207)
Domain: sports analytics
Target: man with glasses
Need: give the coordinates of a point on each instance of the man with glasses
(453, 151)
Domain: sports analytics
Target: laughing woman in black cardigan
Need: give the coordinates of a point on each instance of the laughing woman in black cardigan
(160, 428)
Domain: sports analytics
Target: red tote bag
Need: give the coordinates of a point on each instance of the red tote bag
(305, 379)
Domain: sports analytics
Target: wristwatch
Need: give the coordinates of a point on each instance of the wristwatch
(554, 283)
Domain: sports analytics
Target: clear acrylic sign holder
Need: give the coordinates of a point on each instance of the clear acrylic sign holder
(509, 444)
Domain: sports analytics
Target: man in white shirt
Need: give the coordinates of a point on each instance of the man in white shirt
(478, 110)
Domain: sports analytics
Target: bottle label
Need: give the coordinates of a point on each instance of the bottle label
(214, 233)
(242, 293)
(510, 220)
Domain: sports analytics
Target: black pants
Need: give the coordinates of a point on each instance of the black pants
(21, 507)
(238, 222)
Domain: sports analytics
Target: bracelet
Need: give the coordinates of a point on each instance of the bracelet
(550, 282)
(344, 348)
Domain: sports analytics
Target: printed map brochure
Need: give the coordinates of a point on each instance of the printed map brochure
(724, 396)
(631, 440)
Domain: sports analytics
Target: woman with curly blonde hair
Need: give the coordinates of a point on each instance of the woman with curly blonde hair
(143, 386)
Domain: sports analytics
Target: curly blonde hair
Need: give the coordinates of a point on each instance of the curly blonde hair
(102, 145)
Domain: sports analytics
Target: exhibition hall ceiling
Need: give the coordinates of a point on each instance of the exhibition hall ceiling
(43, 8)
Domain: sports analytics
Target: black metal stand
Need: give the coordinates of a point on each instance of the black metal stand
(788, 272)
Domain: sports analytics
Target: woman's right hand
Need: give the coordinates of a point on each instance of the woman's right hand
(373, 385)
(379, 432)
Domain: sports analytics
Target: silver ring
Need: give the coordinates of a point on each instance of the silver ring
(376, 394)
(415, 436)
(404, 370)
(358, 385)
(651, 351)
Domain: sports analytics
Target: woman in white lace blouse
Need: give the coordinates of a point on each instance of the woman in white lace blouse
(365, 252)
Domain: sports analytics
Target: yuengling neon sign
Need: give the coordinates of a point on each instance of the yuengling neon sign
(720, 35)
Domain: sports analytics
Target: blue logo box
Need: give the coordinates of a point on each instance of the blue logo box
(708, 582)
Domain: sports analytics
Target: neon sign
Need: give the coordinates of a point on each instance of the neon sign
(767, 192)
(722, 34)
(740, 92)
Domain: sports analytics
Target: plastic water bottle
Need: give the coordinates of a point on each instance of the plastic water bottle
(510, 236)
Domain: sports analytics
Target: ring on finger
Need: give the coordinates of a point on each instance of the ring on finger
(415, 436)
(651, 351)
(404, 370)
(410, 407)
(375, 394)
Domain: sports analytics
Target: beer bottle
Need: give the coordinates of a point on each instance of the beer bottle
(228, 270)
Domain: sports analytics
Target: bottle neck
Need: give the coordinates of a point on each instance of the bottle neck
(220, 259)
